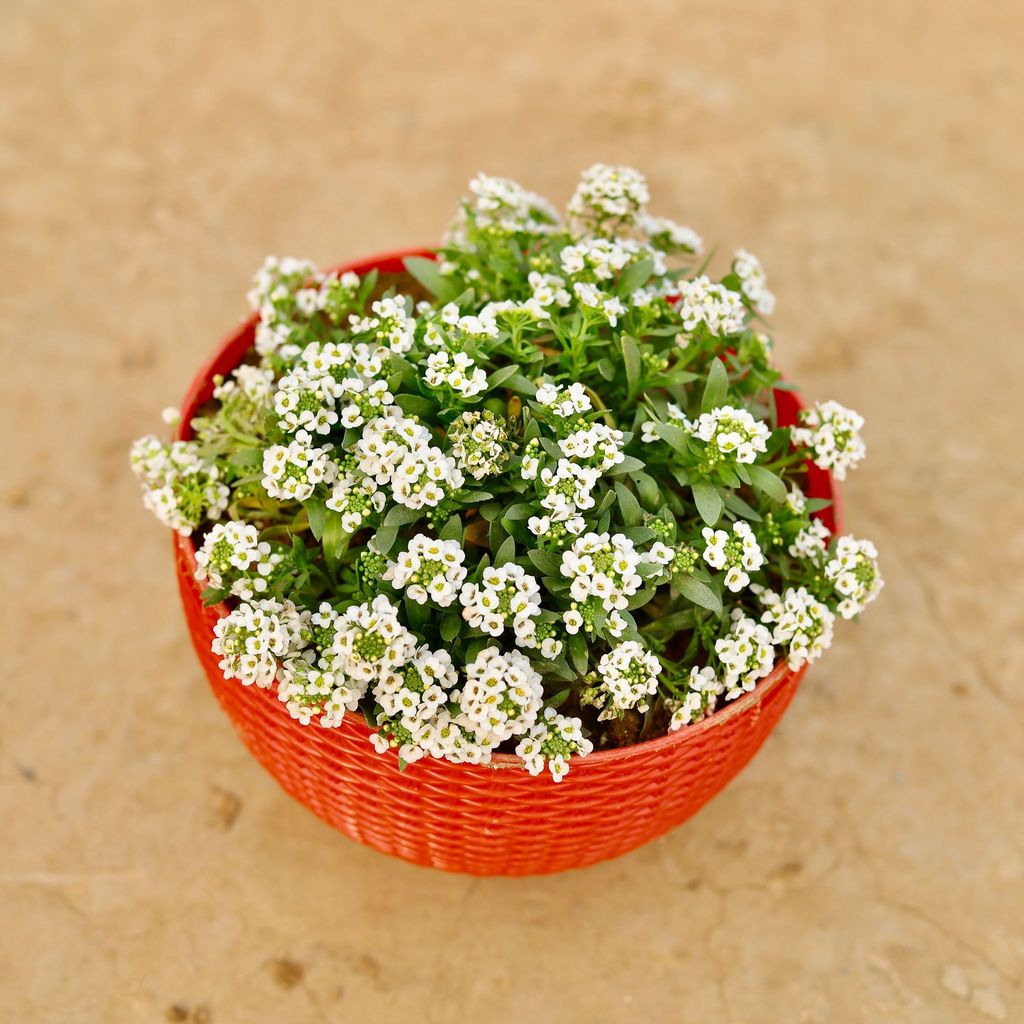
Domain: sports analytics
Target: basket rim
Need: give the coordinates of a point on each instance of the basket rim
(186, 548)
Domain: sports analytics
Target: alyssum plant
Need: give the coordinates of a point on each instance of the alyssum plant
(545, 509)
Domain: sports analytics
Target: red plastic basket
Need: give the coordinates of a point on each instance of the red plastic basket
(491, 819)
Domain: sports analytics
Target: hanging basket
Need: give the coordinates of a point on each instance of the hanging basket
(492, 819)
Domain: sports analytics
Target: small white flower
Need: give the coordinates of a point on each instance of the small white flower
(732, 431)
(602, 567)
(629, 675)
(506, 596)
(800, 622)
(178, 486)
(747, 267)
(254, 638)
(853, 572)
(746, 654)
(550, 743)
(293, 471)
(608, 199)
(739, 554)
(429, 570)
(502, 696)
(699, 700)
(832, 432)
(702, 302)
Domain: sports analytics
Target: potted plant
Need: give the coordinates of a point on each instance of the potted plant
(505, 559)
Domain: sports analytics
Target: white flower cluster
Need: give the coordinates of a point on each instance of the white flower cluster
(629, 675)
(293, 471)
(456, 371)
(308, 398)
(702, 691)
(275, 293)
(251, 384)
(731, 431)
(738, 554)
(501, 206)
(233, 556)
(603, 259)
(429, 570)
(564, 400)
(480, 443)
(598, 444)
(178, 487)
(411, 697)
(309, 683)
(548, 290)
(569, 491)
(253, 638)
(390, 325)
(702, 301)
(502, 696)
(609, 307)
(668, 236)
(370, 639)
(853, 572)
(602, 567)
(550, 742)
(448, 326)
(747, 267)
(746, 654)
(507, 595)
(356, 497)
(396, 451)
(649, 428)
(608, 199)
(832, 432)
(800, 622)
(810, 543)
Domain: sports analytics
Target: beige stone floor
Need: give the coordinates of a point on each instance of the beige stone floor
(869, 865)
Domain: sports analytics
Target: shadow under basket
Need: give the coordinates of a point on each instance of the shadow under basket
(493, 819)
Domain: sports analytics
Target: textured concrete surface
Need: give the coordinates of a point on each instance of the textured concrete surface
(869, 866)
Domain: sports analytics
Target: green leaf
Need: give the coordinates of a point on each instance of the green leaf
(316, 511)
(399, 515)
(520, 385)
(384, 539)
(716, 388)
(416, 405)
(708, 501)
(578, 652)
(545, 561)
(699, 593)
(506, 553)
(633, 363)
(632, 513)
(451, 623)
(627, 465)
(739, 507)
(500, 376)
(558, 699)
(635, 276)
(425, 271)
(490, 511)
(768, 482)
(648, 491)
(674, 435)
(335, 538)
(639, 599)
(816, 504)
(517, 512)
(452, 530)
(606, 368)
